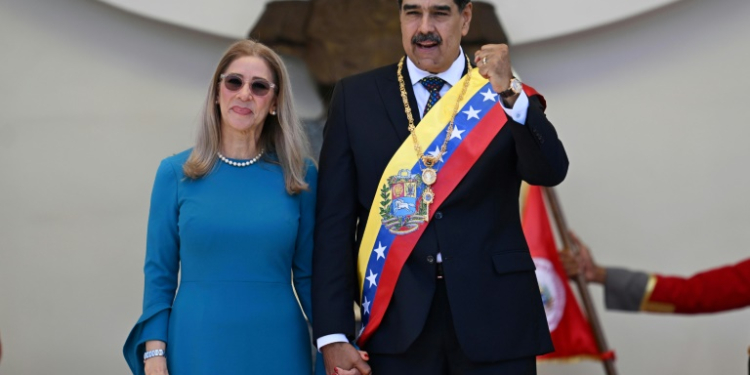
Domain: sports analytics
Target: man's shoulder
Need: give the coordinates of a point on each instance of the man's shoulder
(387, 72)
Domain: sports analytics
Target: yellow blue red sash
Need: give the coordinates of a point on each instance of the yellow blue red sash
(398, 216)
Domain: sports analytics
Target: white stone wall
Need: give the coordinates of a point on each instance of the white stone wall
(653, 113)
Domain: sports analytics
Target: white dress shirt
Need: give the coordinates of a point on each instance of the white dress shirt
(451, 77)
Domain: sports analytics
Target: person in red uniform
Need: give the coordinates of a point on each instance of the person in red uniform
(714, 290)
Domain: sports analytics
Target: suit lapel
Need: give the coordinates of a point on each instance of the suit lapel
(390, 93)
(412, 98)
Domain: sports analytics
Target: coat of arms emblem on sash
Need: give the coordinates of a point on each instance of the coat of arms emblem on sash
(403, 206)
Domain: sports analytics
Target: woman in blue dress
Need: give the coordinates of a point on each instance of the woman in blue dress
(233, 216)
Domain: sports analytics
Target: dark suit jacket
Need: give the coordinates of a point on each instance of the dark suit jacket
(489, 274)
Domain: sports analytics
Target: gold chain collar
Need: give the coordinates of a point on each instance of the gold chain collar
(429, 175)
(429, 161)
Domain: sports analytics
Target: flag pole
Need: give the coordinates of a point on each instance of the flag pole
(562, 229)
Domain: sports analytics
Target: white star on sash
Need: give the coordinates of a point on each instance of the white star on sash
(489, 95)
(371, 279)
(456, 133)
(366, 305)
(436, 154)
(472, 113)
(380, 250)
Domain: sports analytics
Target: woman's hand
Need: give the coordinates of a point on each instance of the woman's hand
(156, 366)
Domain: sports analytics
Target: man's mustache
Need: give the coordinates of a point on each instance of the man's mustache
(431, 37)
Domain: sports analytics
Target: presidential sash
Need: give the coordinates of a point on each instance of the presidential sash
(399, 214)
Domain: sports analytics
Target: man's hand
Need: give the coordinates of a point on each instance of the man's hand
(343, 358)
(591, 271)
(354, 371)
(569, 262)
(493, 61)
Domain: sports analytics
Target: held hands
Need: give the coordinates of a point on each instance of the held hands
(493, 62)
(158, 365)
(354, 371)
(340, 356)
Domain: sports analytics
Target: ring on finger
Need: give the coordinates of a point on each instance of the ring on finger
(484, 60)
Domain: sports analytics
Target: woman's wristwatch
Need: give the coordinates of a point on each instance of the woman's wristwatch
(153, 353)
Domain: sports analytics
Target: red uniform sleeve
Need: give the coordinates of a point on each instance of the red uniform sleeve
(715, 290)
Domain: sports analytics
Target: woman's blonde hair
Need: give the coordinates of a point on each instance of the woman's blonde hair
(282, 134)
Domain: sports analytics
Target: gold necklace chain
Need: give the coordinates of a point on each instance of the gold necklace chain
(429, 161)
(429, 175)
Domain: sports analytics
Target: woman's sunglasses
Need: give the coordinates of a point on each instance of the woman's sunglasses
(258, 86)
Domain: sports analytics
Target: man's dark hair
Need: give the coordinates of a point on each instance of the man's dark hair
(460, 3)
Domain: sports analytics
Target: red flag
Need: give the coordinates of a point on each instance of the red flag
(571, 333)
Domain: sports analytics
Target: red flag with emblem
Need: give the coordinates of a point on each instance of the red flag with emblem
(571, 333)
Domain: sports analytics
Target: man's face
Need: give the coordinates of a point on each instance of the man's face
(431, 32)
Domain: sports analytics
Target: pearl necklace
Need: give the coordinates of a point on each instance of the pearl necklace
(238, 164)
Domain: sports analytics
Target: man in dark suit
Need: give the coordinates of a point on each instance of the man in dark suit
(466, 300)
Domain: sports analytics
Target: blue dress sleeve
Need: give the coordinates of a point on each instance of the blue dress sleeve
(160, 269)
(302, 262)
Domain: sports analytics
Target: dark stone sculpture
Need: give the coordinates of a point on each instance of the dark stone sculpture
(338, 38)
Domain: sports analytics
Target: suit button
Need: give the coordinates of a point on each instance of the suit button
(430, 259)
(438, 215)
(538, 136)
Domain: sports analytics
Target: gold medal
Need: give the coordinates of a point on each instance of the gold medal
(429, 176)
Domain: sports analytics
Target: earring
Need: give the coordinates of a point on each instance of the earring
(273, 113)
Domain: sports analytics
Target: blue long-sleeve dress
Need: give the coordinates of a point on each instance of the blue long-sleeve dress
(238, 241)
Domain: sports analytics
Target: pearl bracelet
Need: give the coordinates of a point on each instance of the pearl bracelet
(153, 353)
